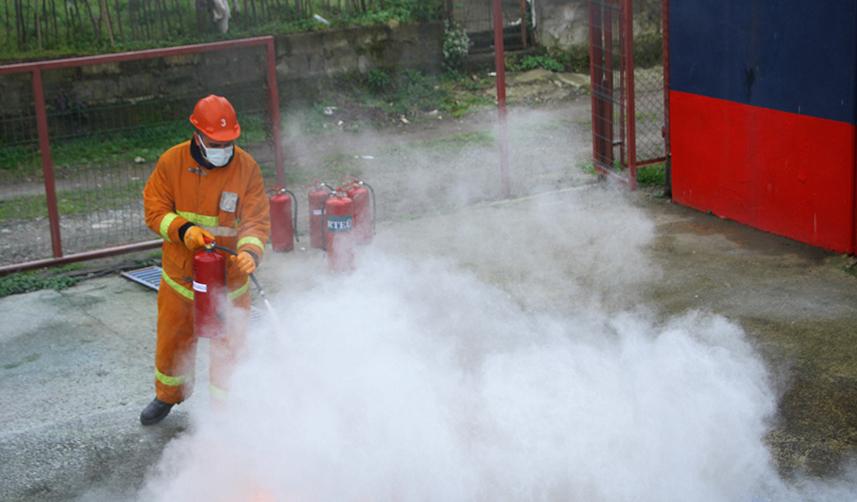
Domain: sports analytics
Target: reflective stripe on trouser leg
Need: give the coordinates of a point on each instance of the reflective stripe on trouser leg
(175, 350)
(225, 350)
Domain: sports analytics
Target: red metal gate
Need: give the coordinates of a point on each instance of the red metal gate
(75, 144)
(629, 102)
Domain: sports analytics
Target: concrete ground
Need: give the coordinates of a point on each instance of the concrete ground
(76, 365)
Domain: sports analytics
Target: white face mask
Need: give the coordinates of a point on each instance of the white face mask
(218, 157)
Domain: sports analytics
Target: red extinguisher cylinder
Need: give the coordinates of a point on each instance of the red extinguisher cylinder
(363, 213)
(209, 293)
(317, 198)
(339, 215)
(283, 219)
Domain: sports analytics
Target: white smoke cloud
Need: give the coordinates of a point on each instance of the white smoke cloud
(417, 381)
(497, 353)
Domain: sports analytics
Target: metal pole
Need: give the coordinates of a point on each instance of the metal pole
(500, 66)
(89, 255)
(47, 162)
(274, 103)
(594, 76)
(607, 110)
(665, 28)
(628, 28)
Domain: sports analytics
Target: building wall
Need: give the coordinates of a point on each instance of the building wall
(762, 114)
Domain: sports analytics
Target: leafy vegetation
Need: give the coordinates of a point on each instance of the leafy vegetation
(118, 147)
(38, 30)
(456, 46)
(25, 282)
(532, 62)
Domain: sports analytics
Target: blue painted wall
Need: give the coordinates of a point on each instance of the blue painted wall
(797, 56)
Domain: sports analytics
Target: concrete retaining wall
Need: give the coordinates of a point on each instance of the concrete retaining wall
(302, 59)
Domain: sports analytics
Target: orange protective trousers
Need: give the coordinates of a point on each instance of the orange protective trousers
(175, 352)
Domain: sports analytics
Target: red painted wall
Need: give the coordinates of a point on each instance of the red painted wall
(786, 173)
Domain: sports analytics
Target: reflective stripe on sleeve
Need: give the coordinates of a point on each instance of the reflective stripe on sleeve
(166, 221)
(172, 381)
(251, 240)
(200, 219)
(234, 295)
(217, 393)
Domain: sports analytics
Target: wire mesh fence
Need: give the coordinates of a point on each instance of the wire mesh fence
(105, 136)
(628, 89)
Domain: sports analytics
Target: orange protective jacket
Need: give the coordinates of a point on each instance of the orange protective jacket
(229, 202)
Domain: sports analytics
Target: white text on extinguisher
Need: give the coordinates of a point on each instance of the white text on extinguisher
(339, 224)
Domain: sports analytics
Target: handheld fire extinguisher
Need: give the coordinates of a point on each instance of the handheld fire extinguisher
(209, 292)
(284, 219)
(318, 195)
(363, 196)
(339, 239)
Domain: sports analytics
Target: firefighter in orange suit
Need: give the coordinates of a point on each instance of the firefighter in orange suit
(205, 188)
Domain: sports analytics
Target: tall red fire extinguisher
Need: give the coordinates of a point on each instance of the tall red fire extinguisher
(284, 219)
(363, 196)
(209, 293)
(339, 215)
(318, 195)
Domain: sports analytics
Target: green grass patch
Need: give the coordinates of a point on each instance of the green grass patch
(99, 148)
(25, 282)
(654, 175)
(455, 142)
(70, 203)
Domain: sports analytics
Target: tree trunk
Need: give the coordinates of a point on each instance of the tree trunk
(37, 23)
(96, 26)
(104, 20)
(118, 15)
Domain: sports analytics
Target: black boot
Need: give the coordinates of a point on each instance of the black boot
(154, 412)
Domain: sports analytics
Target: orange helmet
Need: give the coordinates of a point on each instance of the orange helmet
(215, 117)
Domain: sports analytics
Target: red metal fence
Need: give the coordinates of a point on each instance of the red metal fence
(73, 168)
(629, 100)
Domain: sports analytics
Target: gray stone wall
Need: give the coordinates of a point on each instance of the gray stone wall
(564, 24)
(302, 59)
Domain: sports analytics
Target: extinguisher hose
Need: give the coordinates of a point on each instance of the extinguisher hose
(294, 213)
(252, 276)
(374, 213)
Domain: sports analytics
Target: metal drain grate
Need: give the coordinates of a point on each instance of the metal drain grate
(150, 277)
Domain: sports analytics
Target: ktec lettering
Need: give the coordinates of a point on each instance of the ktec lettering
(339, 223)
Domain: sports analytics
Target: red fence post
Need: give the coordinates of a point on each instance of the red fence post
(47, 162)
(607, 103)
(274, 103)
(500, 66)
(628, 29)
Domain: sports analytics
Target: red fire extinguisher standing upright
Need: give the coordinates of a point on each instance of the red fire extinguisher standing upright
(209, 293)
(284, 219)
(339, 214)
(318, 195)
(364, 210)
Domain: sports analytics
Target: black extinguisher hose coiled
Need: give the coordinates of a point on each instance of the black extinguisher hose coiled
(374, 212)
(294, 212)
